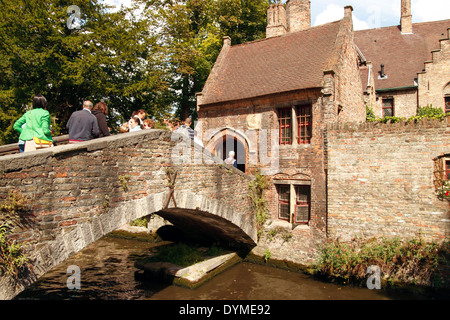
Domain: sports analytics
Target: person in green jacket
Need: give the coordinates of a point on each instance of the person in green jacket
(37, 123)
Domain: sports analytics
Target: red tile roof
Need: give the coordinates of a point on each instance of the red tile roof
(403, 55)
(290, 62)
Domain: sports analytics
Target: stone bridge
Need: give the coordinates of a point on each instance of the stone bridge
(75, 194)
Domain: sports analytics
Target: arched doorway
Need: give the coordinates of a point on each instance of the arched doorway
(230, 143)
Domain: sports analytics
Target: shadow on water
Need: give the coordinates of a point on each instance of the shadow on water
(107, 272)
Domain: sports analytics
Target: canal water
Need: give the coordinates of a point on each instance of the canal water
(107, 273)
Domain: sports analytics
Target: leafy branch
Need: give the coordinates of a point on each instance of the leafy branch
(13, 261)
(257, 188)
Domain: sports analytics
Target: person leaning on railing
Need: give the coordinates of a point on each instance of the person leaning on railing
(37, 123)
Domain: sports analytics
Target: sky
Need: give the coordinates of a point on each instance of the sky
(367, 14)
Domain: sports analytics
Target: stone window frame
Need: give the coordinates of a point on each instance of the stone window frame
(441, 171)
(293, 202)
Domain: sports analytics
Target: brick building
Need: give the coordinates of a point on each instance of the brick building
(406, 66)
(284, 89)
(274, 98)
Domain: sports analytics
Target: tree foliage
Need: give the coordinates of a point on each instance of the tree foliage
(110, 58)
(192, 32)
(153, 56)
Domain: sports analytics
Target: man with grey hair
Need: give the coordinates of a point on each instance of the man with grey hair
(82, 124)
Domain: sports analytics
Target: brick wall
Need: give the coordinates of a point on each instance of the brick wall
(405, 103)
(380, 180)
(436, 76)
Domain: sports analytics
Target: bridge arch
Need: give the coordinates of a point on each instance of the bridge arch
(84, 191)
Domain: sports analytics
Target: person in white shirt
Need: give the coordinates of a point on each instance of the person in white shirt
(134, 124)
(231, 160)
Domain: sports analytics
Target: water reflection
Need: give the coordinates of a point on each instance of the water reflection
(108, 273)
(247, 281)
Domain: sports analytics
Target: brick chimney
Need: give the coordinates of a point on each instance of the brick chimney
(406, 19)
(276, 20)
(348, 14)
(298, 15)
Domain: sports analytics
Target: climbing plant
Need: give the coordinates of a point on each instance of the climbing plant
(257, 188)
(428, 112)
(12, 257)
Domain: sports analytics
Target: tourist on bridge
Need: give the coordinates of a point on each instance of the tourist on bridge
(141, 114)
(186, 129)
(82, 124)
(148, 124)
(134, 124)
(100, 111)
(35, 125)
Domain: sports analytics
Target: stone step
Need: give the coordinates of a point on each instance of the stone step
(192, 276)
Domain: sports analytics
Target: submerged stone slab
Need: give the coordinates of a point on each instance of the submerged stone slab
(192, 276)
(197, 271)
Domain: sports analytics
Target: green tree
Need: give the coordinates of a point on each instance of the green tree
(243, 20)
(111, 57)
(156, 58)
(191, 32)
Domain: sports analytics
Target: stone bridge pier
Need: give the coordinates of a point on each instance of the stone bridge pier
(76, 194)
